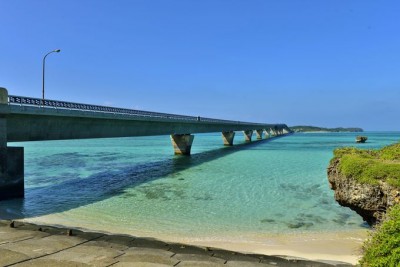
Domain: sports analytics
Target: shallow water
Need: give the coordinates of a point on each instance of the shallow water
(136, 186)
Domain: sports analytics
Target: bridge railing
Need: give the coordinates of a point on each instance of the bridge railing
(46, 103)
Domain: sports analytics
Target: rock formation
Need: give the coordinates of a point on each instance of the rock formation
(361, 139)
(369, 201)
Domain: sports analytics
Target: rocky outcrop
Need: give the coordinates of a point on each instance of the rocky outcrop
(361, 139)
(369, 201)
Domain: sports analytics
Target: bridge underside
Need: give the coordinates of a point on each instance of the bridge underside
(34, 123)
(32, 127)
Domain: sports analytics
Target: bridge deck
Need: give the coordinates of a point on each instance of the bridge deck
(30, 119)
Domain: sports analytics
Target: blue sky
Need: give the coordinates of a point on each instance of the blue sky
(323, 63)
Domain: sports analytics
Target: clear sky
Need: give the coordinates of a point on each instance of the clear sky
(311, 62)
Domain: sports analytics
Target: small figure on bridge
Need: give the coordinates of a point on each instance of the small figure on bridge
(198, 118)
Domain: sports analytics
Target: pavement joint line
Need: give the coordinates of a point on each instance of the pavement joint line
(41, 256)
(112, 264)
(123, 253)
(176, 264)
(173, 255)
(20, 261)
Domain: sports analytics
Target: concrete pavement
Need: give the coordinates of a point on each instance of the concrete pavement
(26, 244)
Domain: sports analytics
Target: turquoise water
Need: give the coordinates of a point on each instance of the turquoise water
(137, 186)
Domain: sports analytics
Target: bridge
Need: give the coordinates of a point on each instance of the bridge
(33, 119)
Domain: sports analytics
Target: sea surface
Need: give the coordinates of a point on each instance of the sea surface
(137, 186)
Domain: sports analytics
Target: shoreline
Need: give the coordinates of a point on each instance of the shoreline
(322, 247)
(339, 246)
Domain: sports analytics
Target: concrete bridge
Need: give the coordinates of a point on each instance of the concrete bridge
(33, 119)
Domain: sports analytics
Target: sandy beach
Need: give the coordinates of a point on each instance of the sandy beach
(326, 247)
(342, 246)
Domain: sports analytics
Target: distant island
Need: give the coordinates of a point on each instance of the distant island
(302, 129)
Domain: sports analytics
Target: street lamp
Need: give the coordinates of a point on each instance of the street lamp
(44, 62)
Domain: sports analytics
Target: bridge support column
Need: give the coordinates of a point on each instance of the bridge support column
(227, 137)
(259, 134)
(3, 144)
(11, 158)
(267, 133)
(247, 135)
(182, 143)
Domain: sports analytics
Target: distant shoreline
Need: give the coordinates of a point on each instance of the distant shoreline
(307, 129)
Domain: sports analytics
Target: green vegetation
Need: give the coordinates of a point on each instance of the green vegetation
(320, 129)
(383, 248)
(371, 166)
(390, 152)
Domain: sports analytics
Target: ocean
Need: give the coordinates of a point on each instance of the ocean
(137, 186)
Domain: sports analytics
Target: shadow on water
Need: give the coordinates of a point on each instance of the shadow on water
(79, 192)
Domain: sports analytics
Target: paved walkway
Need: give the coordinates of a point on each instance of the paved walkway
(32, 245)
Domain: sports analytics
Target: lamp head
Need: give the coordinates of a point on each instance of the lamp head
(58, 50)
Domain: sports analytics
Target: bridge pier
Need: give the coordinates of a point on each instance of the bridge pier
(247, 135)
(11, 158)
(267, 133)
(227, 137)
(3, 144)
(259, 134)
(182, 143)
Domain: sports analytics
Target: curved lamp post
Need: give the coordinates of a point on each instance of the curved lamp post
(44, 62)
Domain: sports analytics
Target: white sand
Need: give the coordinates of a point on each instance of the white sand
(343, 246)
(338, 246)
